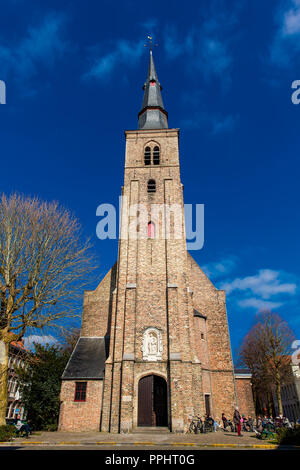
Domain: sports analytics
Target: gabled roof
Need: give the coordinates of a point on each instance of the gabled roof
(88, 359)
(18, 345)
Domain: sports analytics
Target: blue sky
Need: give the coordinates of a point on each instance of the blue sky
(74, 73)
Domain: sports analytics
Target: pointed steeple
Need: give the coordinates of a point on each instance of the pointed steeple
(152, 115)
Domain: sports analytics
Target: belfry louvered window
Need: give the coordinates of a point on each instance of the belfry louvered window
(151, 187)
(152, 155)
(156, 156)
(147, 156)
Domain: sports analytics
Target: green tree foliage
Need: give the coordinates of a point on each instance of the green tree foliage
(40, 384)
(7, 432)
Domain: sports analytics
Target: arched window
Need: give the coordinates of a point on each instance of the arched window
(147, 156)
(151, 230)
(151, 186)
(156, 156)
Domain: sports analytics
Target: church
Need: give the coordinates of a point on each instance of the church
(154, 348)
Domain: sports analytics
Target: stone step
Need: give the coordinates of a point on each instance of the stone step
(150, 430)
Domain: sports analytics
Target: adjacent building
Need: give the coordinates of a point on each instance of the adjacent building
(290, 396)
(16, 358)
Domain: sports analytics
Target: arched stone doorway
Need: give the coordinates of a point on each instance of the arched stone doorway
(152, 401)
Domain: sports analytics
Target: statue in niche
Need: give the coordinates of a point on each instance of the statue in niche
(152, 345)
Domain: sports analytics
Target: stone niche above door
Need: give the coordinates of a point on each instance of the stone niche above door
(152, 345)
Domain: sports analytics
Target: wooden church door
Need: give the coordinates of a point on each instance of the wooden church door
(145, 399)
(152, 401)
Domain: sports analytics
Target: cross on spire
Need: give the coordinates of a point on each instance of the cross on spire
(150, 43)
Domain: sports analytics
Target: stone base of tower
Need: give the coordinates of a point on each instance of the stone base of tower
(175, 389)
(117, 410)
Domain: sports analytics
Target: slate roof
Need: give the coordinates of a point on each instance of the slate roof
(88, 359)
(242, 371)
(153, 114)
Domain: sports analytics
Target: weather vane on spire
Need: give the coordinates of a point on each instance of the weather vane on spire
(150, 44)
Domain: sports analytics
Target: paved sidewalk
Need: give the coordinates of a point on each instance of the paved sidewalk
(158, 440)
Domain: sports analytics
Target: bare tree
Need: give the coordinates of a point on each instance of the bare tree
(69, 338)
(265, 350)
(44, 265)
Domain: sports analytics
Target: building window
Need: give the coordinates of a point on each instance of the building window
(151, 230)
(156, 156)
(207, 404)
(152, 155)
(151, 186)
(147, 156)
(8, 410)
(80, 391)
(202, 335)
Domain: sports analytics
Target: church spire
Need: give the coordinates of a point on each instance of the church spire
(152, 115)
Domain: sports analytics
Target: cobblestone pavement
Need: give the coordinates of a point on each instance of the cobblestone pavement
(142, 440)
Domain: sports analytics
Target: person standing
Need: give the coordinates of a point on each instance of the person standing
(237, 420)
(216, 424)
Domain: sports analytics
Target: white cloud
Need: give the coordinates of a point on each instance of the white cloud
(206, 45)
(266, 290)
(174, 46)
(204, 49)
(123, 52)
(285, 47)
(220, 268)
(216, 56)
(40, 339)
(223, 124)
(291, 20)
(265, 284)
(42, 44)
(258, 304)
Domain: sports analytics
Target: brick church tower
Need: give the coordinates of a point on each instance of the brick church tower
(154, 347)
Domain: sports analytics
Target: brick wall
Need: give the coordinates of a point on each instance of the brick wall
(214, 350)
(245, 396)
(80, 416)
(97, 307)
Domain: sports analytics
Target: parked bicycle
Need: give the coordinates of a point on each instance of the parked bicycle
(208, 425)
(268, 432)
(228, 426)
(248, 425)
(195, 425)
